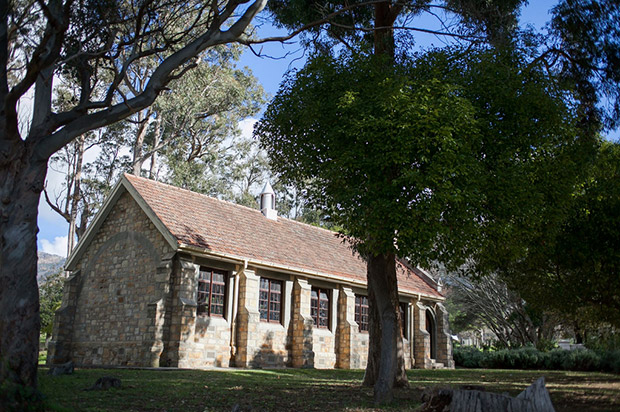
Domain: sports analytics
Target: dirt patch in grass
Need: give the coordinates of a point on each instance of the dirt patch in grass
(303, 390)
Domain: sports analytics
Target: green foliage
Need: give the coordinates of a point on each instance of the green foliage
(498, 20)
(460, 318)
(467, 356)
(603, 337)
(347, 22)
(487, 301)
(531, 358)
(199, 118)
(576, 269)
(451, 154)
(50, 299)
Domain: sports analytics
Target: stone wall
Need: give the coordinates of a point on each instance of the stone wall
(197, 340)
(444, 338)
(302, 341)
(359, 353)
(324, 348)
(324, 339)
(105, 312)
(262, 344)
(421, 338)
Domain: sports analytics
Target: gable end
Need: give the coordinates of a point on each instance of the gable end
(121, 187)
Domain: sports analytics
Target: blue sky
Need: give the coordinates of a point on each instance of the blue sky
(269, 69)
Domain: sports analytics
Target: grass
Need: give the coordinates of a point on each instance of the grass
(304, 389)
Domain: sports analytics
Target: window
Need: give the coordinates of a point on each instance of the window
(361, 312)
(403, 317)
(270, 300)
(319, 307)
(211, 292)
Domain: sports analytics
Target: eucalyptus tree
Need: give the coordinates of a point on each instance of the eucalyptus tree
(584, 52)
(198, 117)
(86, 183)
(97, 43)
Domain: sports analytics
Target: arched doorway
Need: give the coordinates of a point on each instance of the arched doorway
(432, 331)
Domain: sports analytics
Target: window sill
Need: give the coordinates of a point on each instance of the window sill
(270, 325)
(211, 320)
(322, 331)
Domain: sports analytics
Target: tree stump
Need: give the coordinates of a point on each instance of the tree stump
(533, 399)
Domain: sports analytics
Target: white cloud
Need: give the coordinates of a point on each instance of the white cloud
(247, 127)
(57, 247)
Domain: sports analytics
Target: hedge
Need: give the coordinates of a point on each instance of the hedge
(532, 358)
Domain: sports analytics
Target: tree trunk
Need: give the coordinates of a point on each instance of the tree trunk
(386, 361)
(384, 32)
(144, 120)
(77, 194)
(156, 138)
(535, 398)
(21, 183)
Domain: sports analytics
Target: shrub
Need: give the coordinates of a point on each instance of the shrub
(468, 357)
(554, 359)
(581, 360)
(522, 358)
(531, 358)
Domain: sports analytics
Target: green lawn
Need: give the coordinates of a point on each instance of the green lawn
(304, 389)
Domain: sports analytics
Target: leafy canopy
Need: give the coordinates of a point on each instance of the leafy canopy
(577, 272)
(435, 158)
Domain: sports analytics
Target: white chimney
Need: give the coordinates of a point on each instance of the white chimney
(268, 202)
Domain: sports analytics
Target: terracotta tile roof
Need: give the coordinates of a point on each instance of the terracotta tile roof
(222, 227)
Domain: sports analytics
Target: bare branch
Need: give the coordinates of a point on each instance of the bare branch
(54, 206)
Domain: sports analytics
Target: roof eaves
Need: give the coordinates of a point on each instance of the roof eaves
(291, 270)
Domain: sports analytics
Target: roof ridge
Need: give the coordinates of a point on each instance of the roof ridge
(132, 176)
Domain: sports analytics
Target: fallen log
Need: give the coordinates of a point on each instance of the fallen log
(535, 398)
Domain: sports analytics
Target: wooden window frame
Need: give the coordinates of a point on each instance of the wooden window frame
(359, 306)
(403, 308)
(206, 300)
(317, 306)
(269, 299)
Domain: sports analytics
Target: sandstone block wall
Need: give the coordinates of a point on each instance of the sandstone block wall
(444, 339)
(302, 341)
(421, 338)
(111, 293)
(261, 344)
(359, 352)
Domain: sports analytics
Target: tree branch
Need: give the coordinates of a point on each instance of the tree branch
(157, 82)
